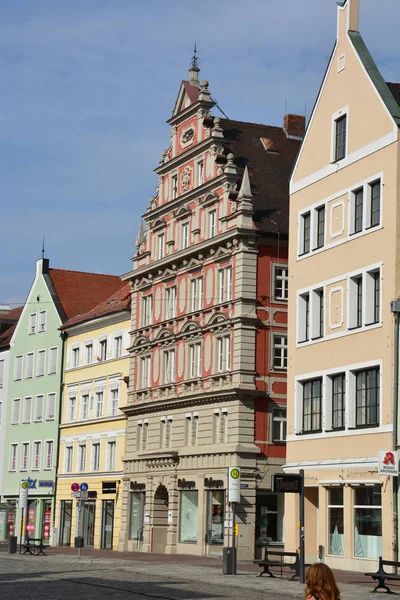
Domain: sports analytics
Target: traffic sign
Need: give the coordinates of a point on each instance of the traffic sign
(234, 484)
(75, 494)
(84, 487)
(75, 487)
(84, 495)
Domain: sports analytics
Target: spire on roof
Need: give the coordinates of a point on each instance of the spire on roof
(245, 188)
(140, 235)
(43, 248)
(194, 69)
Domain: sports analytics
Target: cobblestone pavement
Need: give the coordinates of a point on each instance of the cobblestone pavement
(64, 577)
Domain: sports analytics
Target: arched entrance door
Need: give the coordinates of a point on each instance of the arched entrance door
(160, 519)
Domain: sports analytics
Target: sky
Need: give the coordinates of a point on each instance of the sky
(86, 88)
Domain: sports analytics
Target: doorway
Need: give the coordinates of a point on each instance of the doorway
(89, 513)
(107, 521)
(160, 519)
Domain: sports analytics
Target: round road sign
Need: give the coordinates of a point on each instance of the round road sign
(75, 487)
(84, 487)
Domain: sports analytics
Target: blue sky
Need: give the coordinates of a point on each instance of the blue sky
(87, 86)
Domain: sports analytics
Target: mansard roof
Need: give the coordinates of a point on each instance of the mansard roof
(269, 171)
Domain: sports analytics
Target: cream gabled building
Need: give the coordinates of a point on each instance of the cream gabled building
(344, 273)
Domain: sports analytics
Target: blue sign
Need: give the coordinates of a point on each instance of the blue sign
(244, 485)
(31, 483)
(84, 487)
(45, 483)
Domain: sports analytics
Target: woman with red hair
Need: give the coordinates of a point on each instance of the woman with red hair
(320, 583)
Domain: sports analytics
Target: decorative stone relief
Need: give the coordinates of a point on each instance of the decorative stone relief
(186, 178)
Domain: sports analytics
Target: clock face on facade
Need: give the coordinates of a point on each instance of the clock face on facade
(187, 135)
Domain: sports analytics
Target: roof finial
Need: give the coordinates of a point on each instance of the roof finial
(43, 249)
(194, 69)
(195, 59)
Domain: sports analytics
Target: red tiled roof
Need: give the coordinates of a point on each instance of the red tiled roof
(12, 316)
(192, 91)
(79, 292)
(117, 302)
(5, 338)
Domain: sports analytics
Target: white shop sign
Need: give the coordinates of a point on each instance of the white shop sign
(388, 463)
(234, 484)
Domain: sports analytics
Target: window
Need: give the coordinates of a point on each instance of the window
(49, 447)
(338, 401)
(200, 172)
(340, 137)
(197, 293)
(318, 321)
(147, 311)
(367, 397)
(71, 408)
(114, 400)
(225, 284)
(185, 236)
(37, 455)
(195, 360)
(191, 429)
(365, 207)
(99, 404)
(89, 353)
(174, 181)
(53, 361)
(374, 293)
(281, 280)
(13, 457)
(27, 413)
(32, 323)
(39, 402)
(136, 521)
(145, 371)
(82, 458)
(365, 299)
(305, 228)
(41, 359)
(111, 451)
(51, 407)
(312, 405)
(96, 456)
(358, 210)
(375, 215)
(357, 304)
(85, 406)
(68, 459)
(367, 522)
(224, 354)
(42, 321)
(220, 426)
(103, 349)
(280, 352)
(1, 373)
(16, 408)
(29, 366)
(18, 368)
(169, 366)
(215, 516)
(160, 246)
(304, 317)
(75, 357)
(170, 302)
(336, 521)
(320, 241)
(141, 435)
(117, 346)
(188, 516)
(24, 456)
(212, 222)
(278, 425)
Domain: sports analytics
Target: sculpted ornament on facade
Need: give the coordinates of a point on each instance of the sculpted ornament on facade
(186, 178)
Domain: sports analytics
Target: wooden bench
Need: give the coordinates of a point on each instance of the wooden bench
(266, 563)
(34, 546)
(380, 576)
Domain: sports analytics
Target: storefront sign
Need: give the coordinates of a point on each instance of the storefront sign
(46, 484)
(138, 487)
(209, 482)
(388, 463)
(287, 484)
(186, 485)
(31, 483)
(234, 484)
(147, 517)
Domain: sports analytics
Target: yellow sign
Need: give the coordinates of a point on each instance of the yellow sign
(235, 473)
(236, 528)
(24, 485)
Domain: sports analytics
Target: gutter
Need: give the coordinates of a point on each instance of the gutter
(395, 309)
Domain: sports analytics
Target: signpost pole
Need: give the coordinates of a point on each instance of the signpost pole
(302, 538)
(234, 558)
(79, 524)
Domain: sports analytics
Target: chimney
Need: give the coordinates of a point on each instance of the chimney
(294, 126)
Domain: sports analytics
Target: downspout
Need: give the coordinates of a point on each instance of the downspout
(63, 336)
(395, 309)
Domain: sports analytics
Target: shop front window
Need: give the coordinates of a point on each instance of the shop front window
(215, 518)
(136, 521)
(31, 520)
(188, 516)
(269, 518)
(367, 522)
(11, 514)
(46, 520)
(336, 528)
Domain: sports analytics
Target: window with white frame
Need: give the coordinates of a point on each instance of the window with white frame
(170, 302)
(53, 357)
(85, 406)
(117, 346)
(24, 456)
(51, 407)
(365, 207)
(39, 402)
(169, 366)
(49, 454)
(99, 404)
(303, 322)
(141, 435)
(200, 172)
(71, 414)
(27, 410)
(319, 241)
(340, 137)
(280, 352)
(281, 281)
(75, 356)
(197, 293)
(225, 284)
(212, 223)
(147, 310)
(317, 314)
(111, 453)
(95, 456)
(174, 186)
(68, 455)
(305, 233)
(195, 360)
(312, 405)
(29, 365)
(374, 215)
(184, 236)
(40, 364)
(336, 521)
(37, 455)
(338, 387)
(278, 425)
(89, 353)
(32, 323)
(161, 246)
(18, 368)
(364, 293)
(1, 373)
(16, 410)
(224, 353)
(367, 383)
(367, 521)
(145, 363)
(103, 348)
(114, 401)
(13, 457)
(42, 321)
(82, 457)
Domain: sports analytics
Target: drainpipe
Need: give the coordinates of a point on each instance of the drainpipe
(395, 309)
(63, 336)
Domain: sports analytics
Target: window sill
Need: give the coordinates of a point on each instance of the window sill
(309, 432)
(279, 442)
(371, 426)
